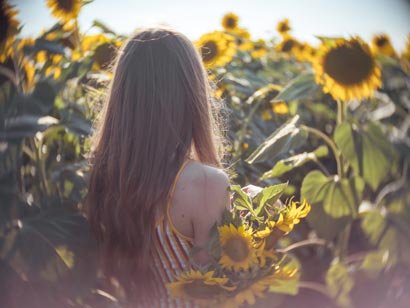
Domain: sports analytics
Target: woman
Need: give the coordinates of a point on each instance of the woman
(156, 184)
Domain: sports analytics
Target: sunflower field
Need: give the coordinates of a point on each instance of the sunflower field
(331, 120)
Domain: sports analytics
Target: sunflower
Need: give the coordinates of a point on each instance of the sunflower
(64, 10)
(90, 42)
(311, 54)
(237, 247)
(269, 227)
(247, 295)
(230, 21)
(280, 107)
(28, 72)
(242, 39)
(303, 51)
(283, 27)
(41, 56)
(347, 69)
(216, 48)
(257, 288)
(9, 28)
(291, 215)
(202, 288)
(287, 45)
(381, 44)
(53, 70)
(259, 49)
(103, 56)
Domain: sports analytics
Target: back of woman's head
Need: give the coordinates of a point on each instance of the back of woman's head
(158, 109)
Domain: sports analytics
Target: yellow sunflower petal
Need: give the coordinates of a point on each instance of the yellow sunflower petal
(347, 70)
(65, 10)
(216, 48)
(9, 31)
(230, 21)
(237, 247)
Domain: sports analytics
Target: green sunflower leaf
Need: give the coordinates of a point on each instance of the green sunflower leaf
(334, 201)
(271, 194)
(368, 150)
(240, 199)
(285, 165)
(339, 283)
(300, 87)
(282, 140)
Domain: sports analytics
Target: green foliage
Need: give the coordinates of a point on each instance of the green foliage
(368, 150)
(341, 157)
(340, 283)
(334, 201)
(288, 164)
(280, 141)
(300, 87)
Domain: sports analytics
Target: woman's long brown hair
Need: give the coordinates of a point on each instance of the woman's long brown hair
(158, 110)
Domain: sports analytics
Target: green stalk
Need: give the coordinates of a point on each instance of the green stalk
(343, 240)
(341, 117)
(40, 167)
(329, 142)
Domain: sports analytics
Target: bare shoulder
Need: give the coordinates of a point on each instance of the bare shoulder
(206, 178)
(203, 185)
(200, 197)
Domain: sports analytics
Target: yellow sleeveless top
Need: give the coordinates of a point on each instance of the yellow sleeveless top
(170, 255)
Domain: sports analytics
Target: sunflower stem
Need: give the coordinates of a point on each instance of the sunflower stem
(343, 241)
(318, 287)
(341, 112)
(329, 142)
(341, 117)
(308, 242)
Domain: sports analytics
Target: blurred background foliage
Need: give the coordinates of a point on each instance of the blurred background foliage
(332, 120)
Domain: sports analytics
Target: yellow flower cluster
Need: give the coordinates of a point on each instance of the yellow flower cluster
(286, 219)
(245, 268)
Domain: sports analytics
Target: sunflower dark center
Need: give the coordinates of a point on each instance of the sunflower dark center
(230, 22)
(104, 54)
(209, 51)
(66, 5)
(4, 24)
(271, 94)
(348, 65)
(381, 41)
(283, 27)
(198, 289)
(288, 45)
(237, 249)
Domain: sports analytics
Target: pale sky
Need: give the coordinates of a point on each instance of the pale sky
(192, 17)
